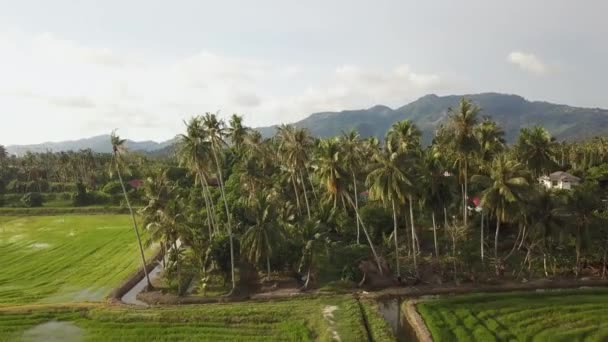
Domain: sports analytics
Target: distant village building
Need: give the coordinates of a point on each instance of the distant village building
(559, 180)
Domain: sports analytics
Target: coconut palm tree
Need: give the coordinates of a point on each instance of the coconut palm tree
(583, 205)
(547, 215)
(294, 150)
(462, 121)
(387, 182)
(490, 138)
(215, 133)
(536, 149)
(118, 150)
(352, 157)
(237, 132)
(194, 152)
(260, 239)
(329, 168)
(403, 138)
(504, 188)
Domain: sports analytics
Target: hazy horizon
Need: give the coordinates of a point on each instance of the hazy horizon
(73, 70)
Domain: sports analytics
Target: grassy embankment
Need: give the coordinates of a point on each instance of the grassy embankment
(68, 258)
(522, 316)
(287, 320)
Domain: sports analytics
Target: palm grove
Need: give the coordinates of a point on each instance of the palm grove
(465, 208)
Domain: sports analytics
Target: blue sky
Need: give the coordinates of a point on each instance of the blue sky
(72, 69)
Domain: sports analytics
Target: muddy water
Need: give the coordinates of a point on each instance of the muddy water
(392, 311)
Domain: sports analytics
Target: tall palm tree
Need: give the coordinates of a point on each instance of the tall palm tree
(536, 148)
(462, 121)
(215, 133)
(294, 150)
(118, 150)
(352, 156)
(547, 215)
(490, 138)
(403, 138)
(332, 174)
(387, 182)
(237, 132)
(194, 152)
(504, 188)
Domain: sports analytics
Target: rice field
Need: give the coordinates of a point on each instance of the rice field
(531, 316)
(70, 258)
(322, 319)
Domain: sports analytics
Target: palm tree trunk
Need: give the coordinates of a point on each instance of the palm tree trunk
(496, 243)
(482, 239)
(219, 173)
(207, 207)
(464, 195)
(604, 262)
(578, 251)
(312, 185)
(141, 248)
(435, 235)
(213, 213)
(396, 240)
(179, 271)
(268, 266)
(414, 252)
(369, 240)
(305, 195)
(356, 204)
(295, 190)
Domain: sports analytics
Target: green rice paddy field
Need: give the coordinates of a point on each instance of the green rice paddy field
(320, 319)
(549, 316)
(70, 258)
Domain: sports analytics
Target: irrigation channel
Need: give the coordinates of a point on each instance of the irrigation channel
(131, 296)
(393, 311)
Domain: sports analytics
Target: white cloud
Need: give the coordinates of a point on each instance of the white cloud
(528, 62)
(70, 91)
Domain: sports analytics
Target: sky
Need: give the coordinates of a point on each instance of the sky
(72, 69)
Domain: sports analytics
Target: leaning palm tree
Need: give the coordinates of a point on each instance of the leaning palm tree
(504, 189)
(215, 133)
(330, 171)
(387, 183)
(118, 150)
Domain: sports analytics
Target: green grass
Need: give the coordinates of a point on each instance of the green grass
(552, 316)
(287, 320)
(51, 259)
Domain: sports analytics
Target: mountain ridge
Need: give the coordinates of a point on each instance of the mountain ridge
(511, 111)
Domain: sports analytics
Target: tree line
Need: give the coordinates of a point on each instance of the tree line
(466, 207)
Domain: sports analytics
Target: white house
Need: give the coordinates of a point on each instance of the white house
(559, 180)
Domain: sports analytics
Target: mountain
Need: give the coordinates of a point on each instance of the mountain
(100, 143)
(512, 112)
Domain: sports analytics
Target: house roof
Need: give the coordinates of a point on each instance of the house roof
(562, 176)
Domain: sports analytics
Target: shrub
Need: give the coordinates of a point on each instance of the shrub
(98, 197)
(80, 198)
(32, 199)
